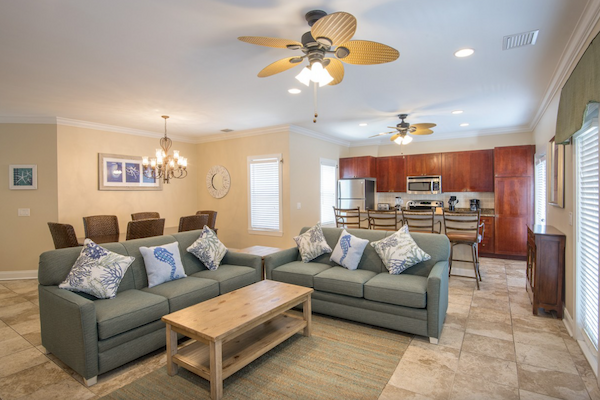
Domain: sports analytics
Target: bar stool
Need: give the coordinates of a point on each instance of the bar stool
(347, 217)
(383, 220)
(463, 228)
(422, 221)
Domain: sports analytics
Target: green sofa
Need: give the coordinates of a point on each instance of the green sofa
(94, 336)
(414, 301)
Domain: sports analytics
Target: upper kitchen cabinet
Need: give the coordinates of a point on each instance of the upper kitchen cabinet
(513, 161)
(391, 174)
(468, 171)
(424, 164)
(358, 167)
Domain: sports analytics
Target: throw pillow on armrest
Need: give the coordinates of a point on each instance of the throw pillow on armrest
(312, 244)
(97, 271)
(399, 251)
(349, 250)
(208, 248)
(163, 263)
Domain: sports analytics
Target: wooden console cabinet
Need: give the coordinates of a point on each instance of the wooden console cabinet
(546, 268)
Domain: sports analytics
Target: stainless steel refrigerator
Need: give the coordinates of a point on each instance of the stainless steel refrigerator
(357, 192)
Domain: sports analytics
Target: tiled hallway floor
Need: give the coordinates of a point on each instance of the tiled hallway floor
(492, 347)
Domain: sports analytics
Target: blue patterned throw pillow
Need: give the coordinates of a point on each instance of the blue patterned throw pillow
(312, 244)
(349, 250)
(97, 271)
(399, 251)
(208, 248)
(163, 263)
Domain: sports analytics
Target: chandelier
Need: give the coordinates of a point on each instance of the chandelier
(165, 166)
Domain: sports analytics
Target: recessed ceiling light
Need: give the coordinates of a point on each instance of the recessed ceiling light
(464, 52)
(457, 112)
(464, 124)
(362, 124)
(294, 91)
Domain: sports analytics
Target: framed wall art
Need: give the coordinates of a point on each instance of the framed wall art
(118, 172)
(22, 177)
(556, 173)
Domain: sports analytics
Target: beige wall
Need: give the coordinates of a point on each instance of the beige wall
(24, 238)
(78, 193)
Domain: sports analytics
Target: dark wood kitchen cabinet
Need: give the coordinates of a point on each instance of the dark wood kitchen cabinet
(487, 244)
(391, 174)
(358, 167)
(424, 164)
(468, 171)
(546, 268)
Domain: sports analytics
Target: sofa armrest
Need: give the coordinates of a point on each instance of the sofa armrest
(437, 298)
(275, 260)
(246, 260)
(68, 325)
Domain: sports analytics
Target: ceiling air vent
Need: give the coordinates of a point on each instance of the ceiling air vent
(226, 130)
(520, 40)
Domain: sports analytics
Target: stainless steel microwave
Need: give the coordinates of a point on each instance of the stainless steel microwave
(424, 184)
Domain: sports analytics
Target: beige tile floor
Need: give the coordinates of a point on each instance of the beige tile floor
(492, 347)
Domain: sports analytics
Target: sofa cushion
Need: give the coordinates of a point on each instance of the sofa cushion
(229, 277)
(348, 250)
(185, 292)
(298, 272)
(402, 290)
(130, 309)
(163, 263)
(312, 243)
(342, 281)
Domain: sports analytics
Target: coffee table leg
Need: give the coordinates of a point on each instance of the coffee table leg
(307, 312)
(172, 368)
(216, 370)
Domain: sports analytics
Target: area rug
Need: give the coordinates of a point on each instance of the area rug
(341, 360)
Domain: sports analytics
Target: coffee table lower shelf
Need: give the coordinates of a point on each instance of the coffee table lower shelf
(240, 350)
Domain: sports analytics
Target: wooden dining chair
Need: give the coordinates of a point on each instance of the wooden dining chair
(143, 228)
(383, 220)
(347, 217)
(63, 235)
(421, 221)
(192, 222)
(144, 215)
(212, 218)
(101, 225)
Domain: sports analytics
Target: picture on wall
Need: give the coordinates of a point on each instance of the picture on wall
(22, 177)
(118, 172)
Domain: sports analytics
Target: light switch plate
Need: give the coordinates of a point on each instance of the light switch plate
(23, 212)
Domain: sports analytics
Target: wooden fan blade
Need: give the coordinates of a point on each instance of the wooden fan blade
(278, 66)
(364, 52)
(269, 42)
(422, 132)
(338, 27)
(381, 134)
(423, 126)
(336, 70)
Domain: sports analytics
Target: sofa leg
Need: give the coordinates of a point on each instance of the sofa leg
(433, 340)
(90, 382)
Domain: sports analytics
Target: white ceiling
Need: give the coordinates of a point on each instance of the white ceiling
(125, 63)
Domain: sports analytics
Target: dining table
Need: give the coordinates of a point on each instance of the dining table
(121, 237)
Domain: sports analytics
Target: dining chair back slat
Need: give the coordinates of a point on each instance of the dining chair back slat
(63, 235)
(144, 215)
(143, 228)
(101, 225)
(192, 222)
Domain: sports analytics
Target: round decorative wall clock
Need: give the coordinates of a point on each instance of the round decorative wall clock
(218, 181)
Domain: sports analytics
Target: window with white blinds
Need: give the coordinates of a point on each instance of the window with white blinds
(540, 191)
(587, 202)
(328, 190)
(264, 194)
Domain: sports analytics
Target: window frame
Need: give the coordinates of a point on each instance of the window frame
(329, 163)
(539, 191)
(254, 160)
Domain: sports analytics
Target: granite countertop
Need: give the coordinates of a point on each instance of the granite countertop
(485, 212)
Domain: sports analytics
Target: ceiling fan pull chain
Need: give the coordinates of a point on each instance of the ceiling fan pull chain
(315, 101)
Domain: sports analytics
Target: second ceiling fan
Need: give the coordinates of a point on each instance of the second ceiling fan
(403, 128)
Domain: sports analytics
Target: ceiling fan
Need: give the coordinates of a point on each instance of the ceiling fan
(329, 35)
(403, 128)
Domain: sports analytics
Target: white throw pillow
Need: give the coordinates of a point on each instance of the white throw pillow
(97, 271)
(349, 250)
(399, 251)
(163, 263)
(208, 248)
(312, 244)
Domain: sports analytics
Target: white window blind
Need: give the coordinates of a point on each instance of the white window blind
(328, 191)
(587, 233)
(540, 191)
(264, 177)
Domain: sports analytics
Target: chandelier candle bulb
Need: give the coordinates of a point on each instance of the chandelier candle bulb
(165, 166)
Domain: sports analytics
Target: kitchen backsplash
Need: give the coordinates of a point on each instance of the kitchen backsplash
(486, 198)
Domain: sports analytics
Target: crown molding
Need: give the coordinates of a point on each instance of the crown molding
(308, 132)
(244, 133)
(28, 120)
(585, 26)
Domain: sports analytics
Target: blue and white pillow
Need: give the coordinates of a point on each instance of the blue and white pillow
(163, 263)
(312, 244)
(208, 248)
(399, 251)
(349, 250)
(97, 271)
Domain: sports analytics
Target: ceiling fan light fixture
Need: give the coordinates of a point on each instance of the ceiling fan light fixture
(315, 73)
(403, 140)
(304, 76)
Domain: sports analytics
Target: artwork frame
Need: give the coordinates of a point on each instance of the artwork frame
(556, 174)
(22, 177)
(111, 176)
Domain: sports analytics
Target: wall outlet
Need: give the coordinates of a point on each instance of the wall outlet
(23, 212)
(298, 206)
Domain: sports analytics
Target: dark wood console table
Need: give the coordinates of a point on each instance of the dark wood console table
(546, 268)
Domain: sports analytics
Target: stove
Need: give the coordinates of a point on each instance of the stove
(424, 204)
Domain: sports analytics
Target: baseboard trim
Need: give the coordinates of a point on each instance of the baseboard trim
(14, 275)
(568, 322)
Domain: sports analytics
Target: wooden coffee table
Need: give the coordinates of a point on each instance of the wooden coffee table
(254, 316)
